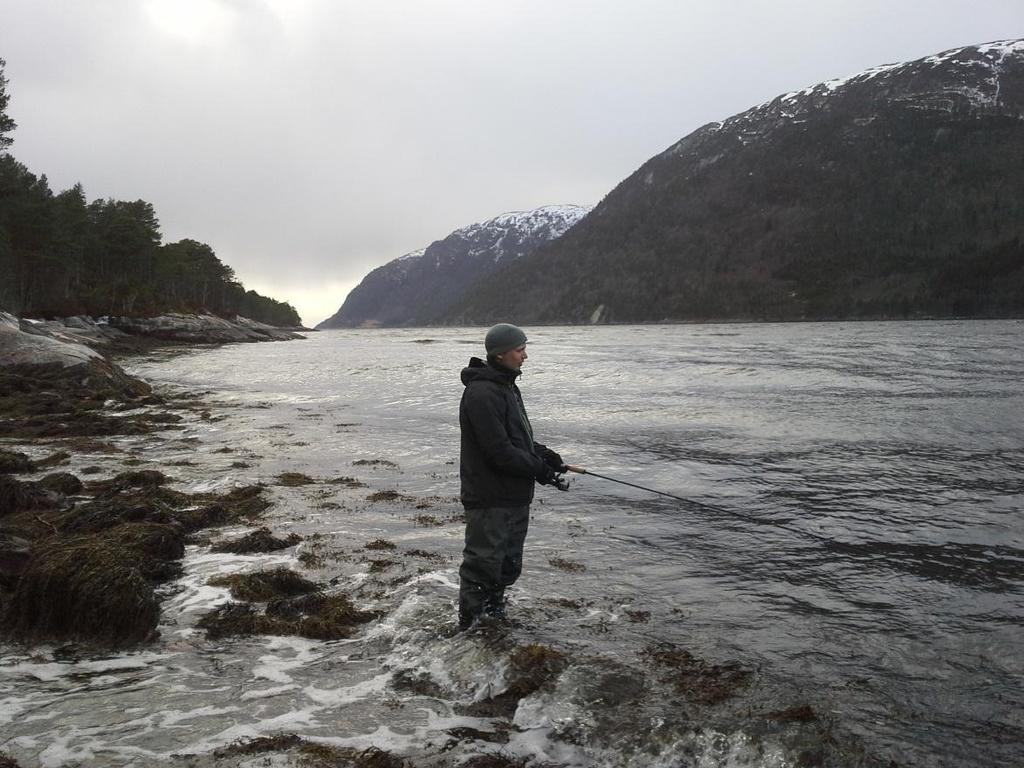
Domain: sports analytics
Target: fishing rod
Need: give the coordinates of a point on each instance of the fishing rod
(699, 504)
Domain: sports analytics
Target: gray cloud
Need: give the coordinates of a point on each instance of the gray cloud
(309, 141)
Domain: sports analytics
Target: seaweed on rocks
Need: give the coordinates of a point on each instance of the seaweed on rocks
(312, 754)
(374, 463)
(261, 586)
(53, 460)
(698, 681)
(493, 761)
(569, 566)
(19, 495)
(12, 463)
(146, 478)
(384, 496)
(8, 762)
(317, 616)
(260, 540)
(63, 483)
(88, 571)
(95, 587)
(294, 479)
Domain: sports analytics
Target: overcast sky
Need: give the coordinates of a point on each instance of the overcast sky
(309, 141)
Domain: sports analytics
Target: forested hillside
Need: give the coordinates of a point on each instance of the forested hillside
(421, 288)
(895, 193)
(61, 255)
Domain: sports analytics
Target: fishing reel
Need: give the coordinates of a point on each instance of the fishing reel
(560, 482)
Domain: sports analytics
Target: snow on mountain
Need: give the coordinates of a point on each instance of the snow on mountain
(418, 287)
(969, 77)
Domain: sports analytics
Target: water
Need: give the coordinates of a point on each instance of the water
(855, 543)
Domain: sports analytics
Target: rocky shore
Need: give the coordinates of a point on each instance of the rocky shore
(80, 560)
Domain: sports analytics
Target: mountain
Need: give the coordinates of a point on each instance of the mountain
(424, 287)
(898, 192)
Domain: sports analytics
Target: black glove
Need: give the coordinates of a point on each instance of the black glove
(553, 460)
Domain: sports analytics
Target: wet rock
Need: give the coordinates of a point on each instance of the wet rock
(18, 495)
(374, 463)
(61, 482)
(53, 460)
(379, 758)
(94, 587)
(699, 681)
(15, 552)
(493, 761)
(294, 479)
(260, 540)
(202, 329)
(384, 496)
(418, 683)
(569, 566)
(381, 545)
(32, 361)
(316, 616)
(12, 463)
(87, 572)
(531, 667)
(8, 762)
(145, 478)
(311, 753)
(473, 734)
(263, 586)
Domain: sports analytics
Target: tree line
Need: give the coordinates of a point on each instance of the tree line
(61, 255)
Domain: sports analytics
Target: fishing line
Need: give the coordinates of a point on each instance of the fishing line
(708, 507)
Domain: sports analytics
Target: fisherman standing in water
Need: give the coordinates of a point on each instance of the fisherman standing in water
(499, 463)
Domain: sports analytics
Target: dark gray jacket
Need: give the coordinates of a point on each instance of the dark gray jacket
(499, 459)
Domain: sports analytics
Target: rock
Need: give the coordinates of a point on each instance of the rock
(33, 362)
(12, 463)
(84, 587)
(61, 482)
(74, 330)
(202, 329)
(260, 540)
(18, 347)
(17, 496)
(14, 554)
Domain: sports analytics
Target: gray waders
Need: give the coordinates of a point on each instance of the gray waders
(491, 561)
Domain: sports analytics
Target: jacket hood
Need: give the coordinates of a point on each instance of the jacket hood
(478, 370)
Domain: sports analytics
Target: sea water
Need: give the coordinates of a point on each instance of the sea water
(849, 536)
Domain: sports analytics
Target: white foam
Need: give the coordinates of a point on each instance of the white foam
(333, 697)
(267, 693)
(10, 708)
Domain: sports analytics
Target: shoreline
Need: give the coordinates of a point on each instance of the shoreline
(83, 560)
(107, 542)
(693, 682)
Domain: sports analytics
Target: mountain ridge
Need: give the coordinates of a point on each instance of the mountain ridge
(420, 287)
(895, 192)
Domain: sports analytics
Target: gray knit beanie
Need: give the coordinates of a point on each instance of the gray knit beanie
(503, 337)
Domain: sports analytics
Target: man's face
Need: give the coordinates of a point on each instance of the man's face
(514, 358)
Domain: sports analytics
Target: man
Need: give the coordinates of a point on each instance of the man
(499, 463)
